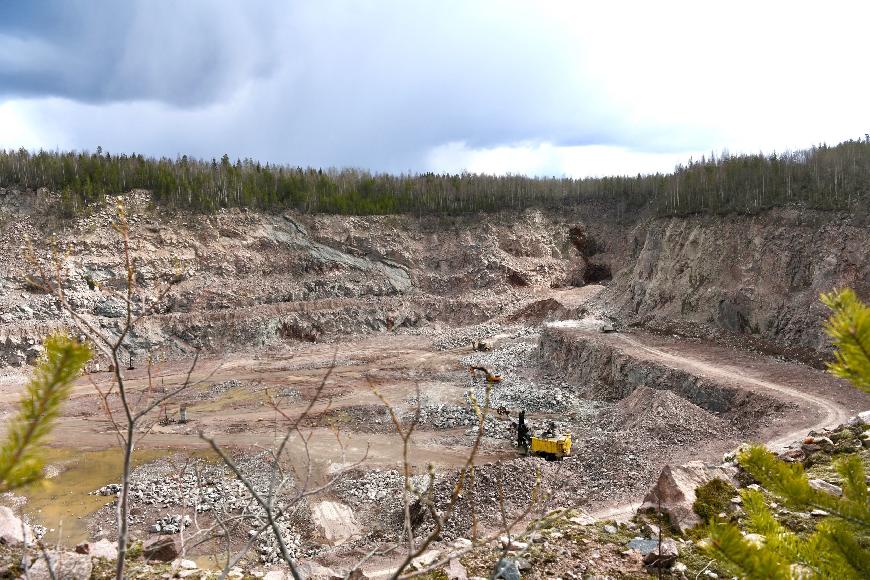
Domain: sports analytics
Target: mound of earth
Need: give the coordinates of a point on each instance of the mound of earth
(664, 415)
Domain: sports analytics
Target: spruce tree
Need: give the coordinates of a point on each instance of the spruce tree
(20, 461)
(838, 548)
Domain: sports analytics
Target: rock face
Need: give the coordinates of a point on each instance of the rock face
(334, 522)
(601, 371)
(256, 279)
(758, 275)
(674, 492)
(12, 530)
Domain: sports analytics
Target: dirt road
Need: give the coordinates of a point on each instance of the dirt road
(816, 410)
(831, 412)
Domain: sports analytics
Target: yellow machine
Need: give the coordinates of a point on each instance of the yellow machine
(490, 378)
(547, 447)
(555, 447)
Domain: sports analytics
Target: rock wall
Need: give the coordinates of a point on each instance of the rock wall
(239, 279)
(753, 276)
(600, 371)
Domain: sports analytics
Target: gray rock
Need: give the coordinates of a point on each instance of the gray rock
(506, 569)
(610, 529)
(826, 487)
(455, 570)
(663, 558)
(12, 530)
(314, 571)
(642, 545)
(66, 565)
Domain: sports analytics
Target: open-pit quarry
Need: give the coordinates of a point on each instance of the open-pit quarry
(652, 341)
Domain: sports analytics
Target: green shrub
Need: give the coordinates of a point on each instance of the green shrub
(713, 498)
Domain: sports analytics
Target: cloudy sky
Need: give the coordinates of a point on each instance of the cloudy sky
(546, 88)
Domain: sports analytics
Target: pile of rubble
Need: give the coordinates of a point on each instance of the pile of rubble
(382, 486)
(167, 498)
(664, 416)
(465, 336)
(443, 415)
(217, 389)
(516, 390)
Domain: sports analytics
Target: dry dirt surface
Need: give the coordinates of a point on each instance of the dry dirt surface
(284, 306)
(620, 446)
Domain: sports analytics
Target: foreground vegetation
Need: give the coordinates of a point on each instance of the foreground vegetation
(821, 177)
(839, 545)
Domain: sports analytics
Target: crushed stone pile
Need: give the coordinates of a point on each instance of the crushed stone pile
(217, 389)
(663, 415)
(165, 494)
(464, 336)
(517, 391)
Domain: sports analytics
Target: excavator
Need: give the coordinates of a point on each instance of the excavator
(490, 378)
(550, 447)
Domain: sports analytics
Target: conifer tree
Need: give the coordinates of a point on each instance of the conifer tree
(20, 462)
(839, 548)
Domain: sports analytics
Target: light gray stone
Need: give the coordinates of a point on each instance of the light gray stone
(66, 565)
(12, 530)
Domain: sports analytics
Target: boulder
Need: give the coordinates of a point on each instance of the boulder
(643, 545)
(334, 522)
(162, 549)
(664, 557)
(314, 571)
(455, 570)
(675, 491)
(425, 559)
(66, 565)
(506, 569)
(101, 549)
(12, 530)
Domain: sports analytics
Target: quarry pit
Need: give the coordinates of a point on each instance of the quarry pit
(365, 316)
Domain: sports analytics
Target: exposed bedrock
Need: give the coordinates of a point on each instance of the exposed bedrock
(749, 275)
(602, 371)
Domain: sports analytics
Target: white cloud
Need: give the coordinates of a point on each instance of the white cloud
(546, 159)
(498, 86)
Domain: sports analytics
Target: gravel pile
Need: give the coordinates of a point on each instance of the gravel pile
(167, 497)
(216, 390)
(516, 391)
(466, 335)
(443, 415)
(664, 416)
(381, 486)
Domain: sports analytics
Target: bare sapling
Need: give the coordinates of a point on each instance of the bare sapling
(128, 415)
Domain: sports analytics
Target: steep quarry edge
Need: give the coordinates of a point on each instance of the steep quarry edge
(600, 369)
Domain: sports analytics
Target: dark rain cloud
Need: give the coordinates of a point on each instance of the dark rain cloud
(181, 53)
(373, 84)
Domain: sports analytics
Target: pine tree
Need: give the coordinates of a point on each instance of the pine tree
(20, 462)
(838, 548)
(849, 327)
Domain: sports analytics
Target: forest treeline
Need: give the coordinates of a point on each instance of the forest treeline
(823, 177)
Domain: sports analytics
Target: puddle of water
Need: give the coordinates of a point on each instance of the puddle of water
(61, 503)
